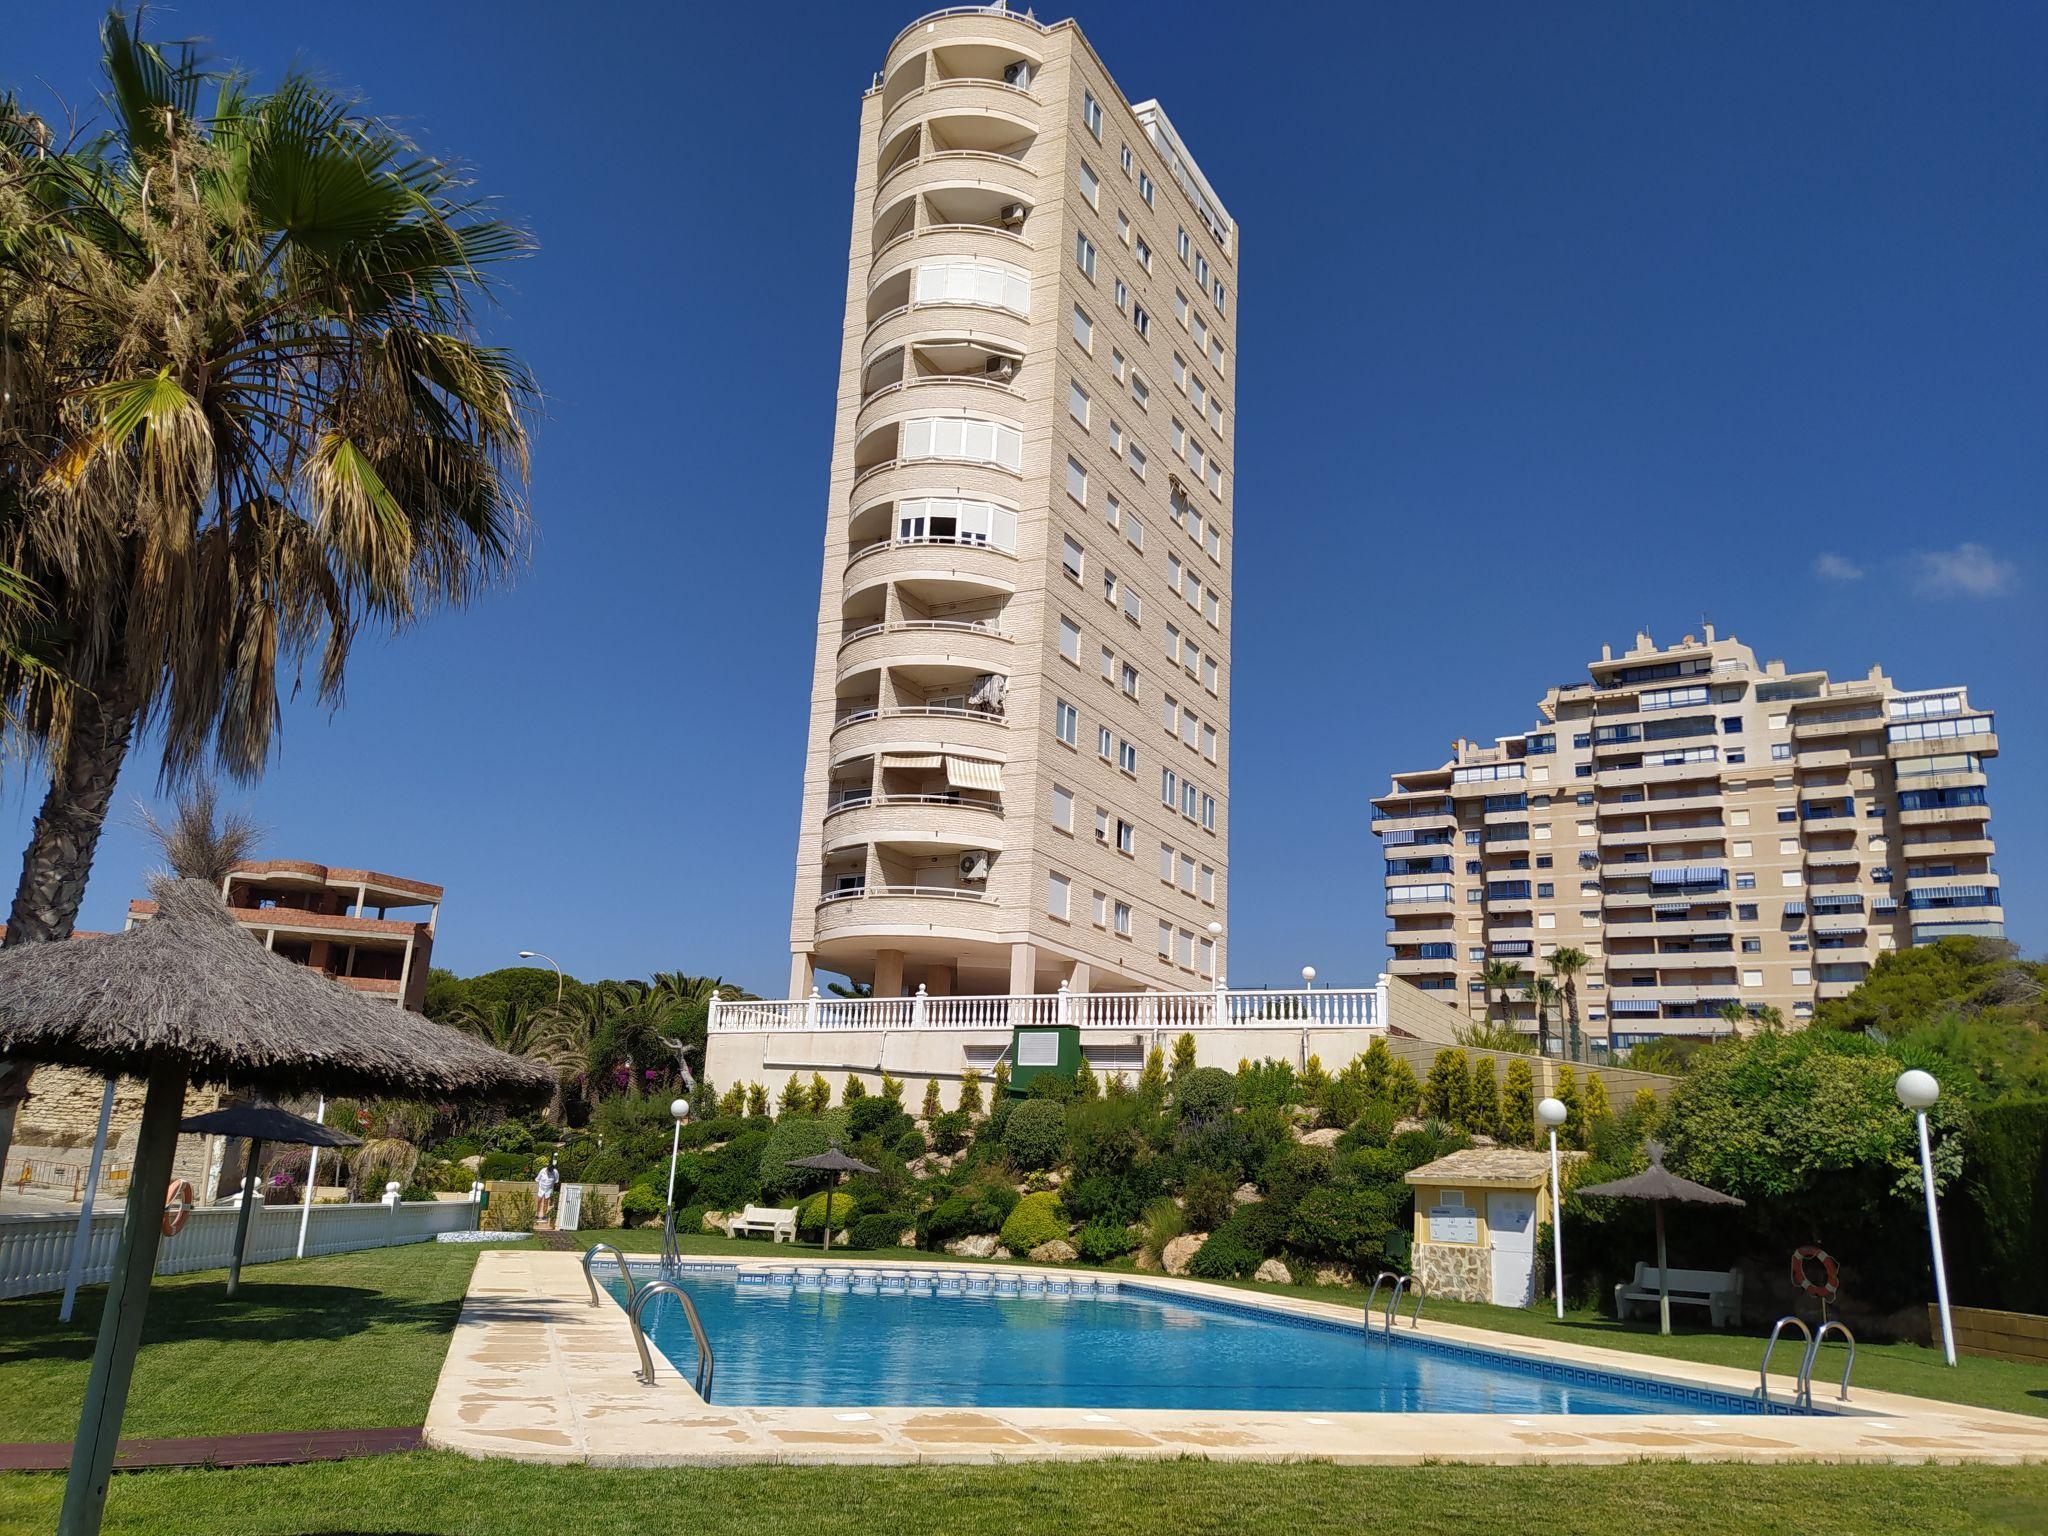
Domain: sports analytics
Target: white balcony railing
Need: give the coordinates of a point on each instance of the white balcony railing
(1230, 1008)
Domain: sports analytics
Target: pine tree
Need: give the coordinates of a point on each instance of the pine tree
(1574, 1133)
(1597, 1107)
(1485, 1117)
(1001, 1085)
(1152, 1080)
(1458, 1091)
(892, 1089)
(1183, 1057)
(821, 1094)
(970, 1091)
(932, 1107)
(854, 1089)
(1643, 1111)
(1518, 1105)
(1376, 1073)
(1314, 1080)
(757, 1100)
(1404, 1093)
(794, 1100)
(733, 1103)
(1085, 1085)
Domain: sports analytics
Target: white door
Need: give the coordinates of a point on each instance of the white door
(1511, 1223)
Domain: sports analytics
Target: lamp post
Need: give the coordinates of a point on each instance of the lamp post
(679, 1110)
(1918, 1090)
(1216, 933)
(534, 954)
(1551, 1113)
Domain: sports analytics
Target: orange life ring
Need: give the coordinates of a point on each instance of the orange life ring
(177, 1206)
(1830, 1285)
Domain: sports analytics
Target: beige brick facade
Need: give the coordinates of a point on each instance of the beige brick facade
(1039, 277)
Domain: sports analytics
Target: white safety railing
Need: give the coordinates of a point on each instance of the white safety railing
(1230, 1008)
(35, 1251)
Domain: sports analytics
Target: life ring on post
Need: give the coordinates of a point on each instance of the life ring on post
(177, 1206)
(1829, 1285)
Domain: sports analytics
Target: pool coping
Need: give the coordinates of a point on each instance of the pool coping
(535, 1372)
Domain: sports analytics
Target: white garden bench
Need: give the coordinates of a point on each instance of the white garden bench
(778, 1224)
(1719, 1291)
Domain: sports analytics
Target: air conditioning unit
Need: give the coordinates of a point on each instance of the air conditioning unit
(1018, 74)
(1012, 215)
(1002, 369)
(974, 866)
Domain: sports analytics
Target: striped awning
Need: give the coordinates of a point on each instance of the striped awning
(1795, 909)
(1837, 903)
(1688, 874)
(1885, 904)
(974, 773)
(1670, 908)
(1826, 928)
(913, 760)
(1633, 1004)
(1953, 892)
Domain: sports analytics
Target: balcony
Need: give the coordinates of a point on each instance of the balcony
(909, 910)
(960, 95)
(975, 645)
(932, 728)
(974, 393)
(1869, 722)
(1939, 815)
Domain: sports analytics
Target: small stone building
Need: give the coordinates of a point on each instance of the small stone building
(1477, 1213)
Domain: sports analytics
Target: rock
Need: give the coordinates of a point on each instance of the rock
(1182, 1250)
(1329, 1274)
(473, 1162)
(907, 1238)
(983, 1246)
(1327, 1137)
(1273, 1272)
(716, 1221)
(1058, 1251)
(1412, 1123)
(1245, 1194)
(1144, 1261)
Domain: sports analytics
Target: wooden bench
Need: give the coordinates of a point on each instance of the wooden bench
(1719, 1291)
(778, 1224)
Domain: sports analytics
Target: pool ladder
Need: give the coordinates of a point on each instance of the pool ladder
(637, 1297)
(1802, 1387)
(1401, 1283)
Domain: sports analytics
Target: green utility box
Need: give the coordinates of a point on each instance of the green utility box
(1039, 1049)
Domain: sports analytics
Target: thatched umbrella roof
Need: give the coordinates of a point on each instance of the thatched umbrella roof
(192, 988)
(836, 1163)
(266, 1122)
(1661, 1187)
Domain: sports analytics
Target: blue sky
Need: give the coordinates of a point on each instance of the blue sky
(1557, 321)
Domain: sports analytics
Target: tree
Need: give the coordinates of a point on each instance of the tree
(1543, 994)
(1565, 966)
(794, 1099)
(1483, 1116)
(854, 1089)
(1183, 1057)
(1447, 1091)
(250, 418)
(1518, 1105)
(757, 1101)
(970, 1092)
(819, 1098)
(1499, 977)
(1403, 1091)
(538, 1034)
(1152, 1076)
(1574, 1134)
(933, 1108)
(1597, 1107)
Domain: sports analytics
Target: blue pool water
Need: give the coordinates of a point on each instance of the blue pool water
(783, 1342)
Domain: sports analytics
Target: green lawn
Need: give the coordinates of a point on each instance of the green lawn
(443, 1495)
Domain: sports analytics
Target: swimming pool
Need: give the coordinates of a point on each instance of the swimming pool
(844, 1337)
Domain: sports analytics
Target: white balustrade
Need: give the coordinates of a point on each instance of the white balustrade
(1235, 1008)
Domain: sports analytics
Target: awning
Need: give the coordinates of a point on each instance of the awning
(1837, 903)
(1688, 874)
(1795, 909)
(1951, 892)
(1826, 928)
(974, 773)
(912, 760)
(1632, 1004)
(1885, 904)
(1670, 908)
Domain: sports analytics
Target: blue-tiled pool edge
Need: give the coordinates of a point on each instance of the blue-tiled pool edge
(1682, 1395)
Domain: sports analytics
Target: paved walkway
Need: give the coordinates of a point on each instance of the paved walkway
(536, 1372)
(220, 1450)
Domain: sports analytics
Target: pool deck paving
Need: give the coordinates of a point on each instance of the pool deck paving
(535, 1372)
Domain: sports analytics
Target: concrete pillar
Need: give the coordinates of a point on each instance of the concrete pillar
(938, 980)
(801, 974)
(1023, 969)
(1077, 978)
(888, 973)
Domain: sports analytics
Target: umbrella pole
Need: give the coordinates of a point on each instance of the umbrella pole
(1663, 1277)
(242, 1217)
(127, 1302)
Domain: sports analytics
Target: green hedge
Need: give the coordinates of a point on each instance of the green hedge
(2001, 1217)
(1036, 1219)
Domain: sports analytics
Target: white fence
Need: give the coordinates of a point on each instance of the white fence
(1240, 1008)
(35, 1251)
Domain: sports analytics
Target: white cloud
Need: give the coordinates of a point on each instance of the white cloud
(1968, 570)
(1833, 567)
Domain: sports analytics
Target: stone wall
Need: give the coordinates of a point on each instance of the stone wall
(1459, 1271)
(52, 1147)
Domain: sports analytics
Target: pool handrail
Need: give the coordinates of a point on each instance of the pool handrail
(705, 1364)
(1421, 1290)
(1394, 1301)
(1832, 1325)
(1373, 1295)
(590, 1256)
(1802, 1390)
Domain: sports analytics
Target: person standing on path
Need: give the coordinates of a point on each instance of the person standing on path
(545, 1191)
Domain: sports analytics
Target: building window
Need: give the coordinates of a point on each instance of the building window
(1135, 457)
(1145, 188)
(1752, 946)
(1126, 837)
(1091, 114)
(1135, 532)
(1084, 254)
(964, 438)
(1070, 556)
(1063, 808)
(1166, 941)
(1077, 482)
(1070, 640)
(1144, 254)
(1127, 758)
(1101, 906)
(1123, 920)
(1129, 680)
(1169, 789)
(1123, 295)
(1057, 887)
(1084, 330)
(1141, 320)
(1108, 665)
(1090, 187)
(1066, 722)
(1209, 812)
(1077, 407)
(1103, 742)
(1124, 158)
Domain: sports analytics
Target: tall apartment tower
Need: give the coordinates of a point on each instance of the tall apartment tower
(1706, 830)
(1019, 744)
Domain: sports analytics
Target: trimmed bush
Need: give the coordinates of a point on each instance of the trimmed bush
(1104, 1242)
(971, 1213)
(503, 1165)
(810, 1215)
(911, 1145)
(638, 1205)
(794, 1136)
(878, 1229)
(951, 1132)
(1204, 1093)
(1206, 1198)
(1344, 1226)
(1036, 1219)
(1036, 1134)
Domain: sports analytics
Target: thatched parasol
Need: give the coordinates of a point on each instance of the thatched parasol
(259, 1125)
(836, 1163)
(190, 996)
(1660, 1186)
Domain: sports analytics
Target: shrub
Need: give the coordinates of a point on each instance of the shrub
(1372, 1129)
(867, 1115)
(1036, 1134)
(601, 1211)
(1036, 1219)
(970, 1092)
(1265, 1082)
(1483, 1108)
(413, 1191)
(1104, 1242)
(853, 1091)
(933, 1108)
(1163, 1222)
(725, 1177)
(952, 1131)
(1291, 1172)
(1110, 1198)
(639, 1204)
(1183, 1057)
(1217, 1145)
(1206, 1197)
(509, 1211)
(501, 1165)
(1344, 1225)
(1202, 1093)
(810, 1213)
(910, 1146)
(795, 1135)
(1517, 1120)
(1237, 1248)
(970, 1213)
(878, 1229)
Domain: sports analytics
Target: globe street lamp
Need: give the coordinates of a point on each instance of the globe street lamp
(1918, 1090)
(534, 954)
(1552, 1113)
(680, 1109)
(1216, 949)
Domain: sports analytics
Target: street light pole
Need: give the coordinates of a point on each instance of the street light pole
(1551, 1112)
(679, 1109)
(534, 954)
(1917, 1091)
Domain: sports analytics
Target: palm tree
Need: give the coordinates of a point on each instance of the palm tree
(1499, 977)
(247, 417)
(200, 841)
(1540, 991)
(1565, 966)
(538, 1034)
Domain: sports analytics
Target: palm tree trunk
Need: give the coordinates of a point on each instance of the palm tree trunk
(58, 860)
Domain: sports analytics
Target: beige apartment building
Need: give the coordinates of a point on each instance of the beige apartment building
(1019, 751)
(1709, 831)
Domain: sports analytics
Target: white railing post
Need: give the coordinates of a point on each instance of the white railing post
(917, 1007)
(1062, 1009)
(811, 1009)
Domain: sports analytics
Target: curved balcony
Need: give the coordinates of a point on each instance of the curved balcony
(962, 26)
(925, 642)
(964, 95)
(981, 567)
(920, 728)
(897, 479)
(967, 185)
(928, 823)
(940, 239)
(987, 326)
(901, 911)
(942, 392)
